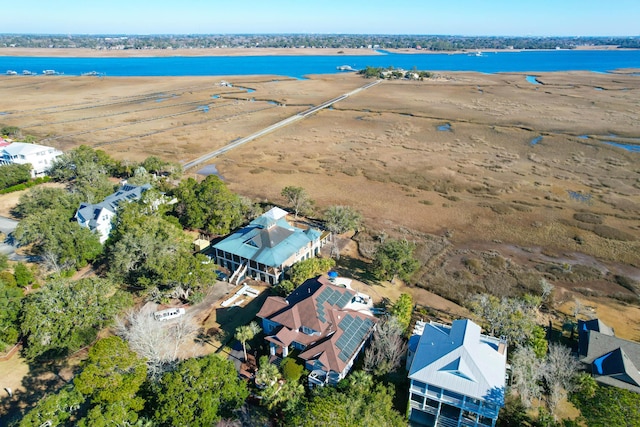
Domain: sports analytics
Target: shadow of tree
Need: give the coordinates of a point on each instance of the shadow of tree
(43, 379)
(356, 268)
(229, 318)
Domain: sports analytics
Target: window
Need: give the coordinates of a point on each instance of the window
(417, 399)
(308, 331)
(434, 391)
(418, 386)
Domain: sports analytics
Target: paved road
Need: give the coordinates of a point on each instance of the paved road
(7, 226)
(280, 124)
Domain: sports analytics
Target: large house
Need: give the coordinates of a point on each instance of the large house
(611, 360)
(40, 157)
(267, 247)
(327, 323)
(98, 217)
(458, 376)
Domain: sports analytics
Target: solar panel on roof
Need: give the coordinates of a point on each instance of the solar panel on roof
(344, 300)
(323, 296)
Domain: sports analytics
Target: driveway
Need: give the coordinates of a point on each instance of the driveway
(7, 247)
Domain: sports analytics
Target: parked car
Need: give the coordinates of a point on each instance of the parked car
(222, 275)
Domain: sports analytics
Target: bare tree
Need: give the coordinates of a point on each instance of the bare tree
(298, 198)
(527, 372)
(577, 308)
(560, 372)
(387, 347)
(158, 342)
(339, 220)
(546, 288)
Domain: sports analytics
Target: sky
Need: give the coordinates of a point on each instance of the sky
(445, 17)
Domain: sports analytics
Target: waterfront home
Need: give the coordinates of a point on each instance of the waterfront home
(611, 360)
(329, 324)
(40, 157)
(267, 247)
(98, 217)
(457, 374)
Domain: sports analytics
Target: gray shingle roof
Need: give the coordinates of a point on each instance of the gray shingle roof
(613, 361)
(91, 212)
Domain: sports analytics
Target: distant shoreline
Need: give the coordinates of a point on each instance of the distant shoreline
(148, 53)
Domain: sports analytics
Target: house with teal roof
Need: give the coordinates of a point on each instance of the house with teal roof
(267, 247)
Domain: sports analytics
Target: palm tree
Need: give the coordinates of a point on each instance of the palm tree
(360, 381)
(246, 333)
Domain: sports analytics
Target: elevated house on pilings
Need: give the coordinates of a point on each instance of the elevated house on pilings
(457, 376)
(267, 247)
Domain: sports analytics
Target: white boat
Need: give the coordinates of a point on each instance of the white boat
(91, 73)
(345, 68)
(28, 73)
(49, 72)
(11, 73)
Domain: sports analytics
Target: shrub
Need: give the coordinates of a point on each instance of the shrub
(8, 278)
(587, 217)
(612, 233)
(474, 265)
(291, 371)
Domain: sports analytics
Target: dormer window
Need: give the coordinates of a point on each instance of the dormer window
(307, 331)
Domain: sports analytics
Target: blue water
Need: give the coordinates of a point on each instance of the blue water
(535, 140)
(299, 66)
(629, 147)
(532, 80)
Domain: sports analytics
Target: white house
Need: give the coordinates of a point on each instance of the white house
(98, 217)
(40, 157)
(458, 376)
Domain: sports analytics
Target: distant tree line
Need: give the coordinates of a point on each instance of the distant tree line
(336, 41)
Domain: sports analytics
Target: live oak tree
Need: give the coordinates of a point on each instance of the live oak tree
(199, 392)
(605, 405)
(55, 409)
(148, 249)
(47, 225)
(13, 174)
(208, 205)
(394, 258)
(86, 171)
(10, 301)
(65, 315)
(309, 268)
(348, 407)
(44, 198)
(111, 379)
(512, 318)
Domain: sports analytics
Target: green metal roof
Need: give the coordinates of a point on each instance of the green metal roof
(268, 241)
